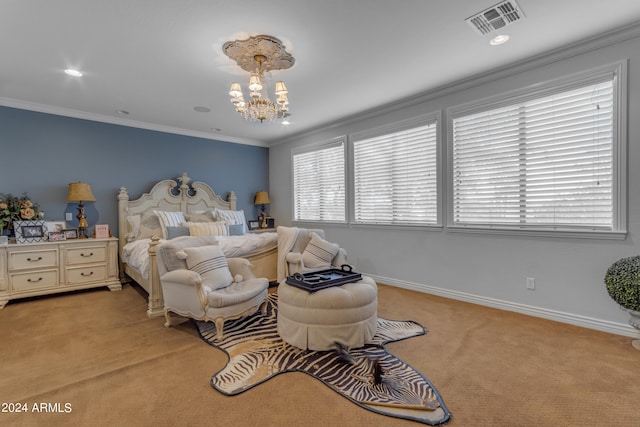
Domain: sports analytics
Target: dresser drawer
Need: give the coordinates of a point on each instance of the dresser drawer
(34, 279)
(20, 260)
(88, 274)
(86, 255)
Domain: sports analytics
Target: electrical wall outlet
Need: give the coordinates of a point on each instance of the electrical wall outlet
(531, 283)
(68, 216)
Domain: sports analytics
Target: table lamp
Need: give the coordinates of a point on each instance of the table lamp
(80, 192)
(262, 198)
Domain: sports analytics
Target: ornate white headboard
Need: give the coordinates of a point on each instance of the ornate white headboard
(166, 195)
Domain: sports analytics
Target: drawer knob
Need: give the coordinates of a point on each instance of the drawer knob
(85, 255)
(35, 281)
(87, 274)
(34, 259)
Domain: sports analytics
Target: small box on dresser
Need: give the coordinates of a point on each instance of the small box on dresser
(31, 269)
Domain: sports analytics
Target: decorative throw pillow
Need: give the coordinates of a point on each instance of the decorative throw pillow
(214, 228)
(319, 253)
(134, 227)
(235, 229)
(169, 219)
(209, 262)
(201, 217)
(232, 217)
(173, 232)
(149, 227)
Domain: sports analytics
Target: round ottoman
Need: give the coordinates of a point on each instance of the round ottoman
(347, 314)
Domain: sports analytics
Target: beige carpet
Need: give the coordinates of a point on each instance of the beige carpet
(98, 352)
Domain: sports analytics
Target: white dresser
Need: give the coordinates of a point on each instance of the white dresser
(32, 269)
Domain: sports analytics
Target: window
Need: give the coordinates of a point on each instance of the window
(395, 174)
(540, 161)
(319, 183)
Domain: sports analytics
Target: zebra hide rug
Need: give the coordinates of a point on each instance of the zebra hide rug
(369, 376)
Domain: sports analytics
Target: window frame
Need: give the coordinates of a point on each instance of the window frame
(540, 90)
(398, 126)
(319, 146)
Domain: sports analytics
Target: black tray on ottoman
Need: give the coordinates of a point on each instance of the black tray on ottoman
(323, 279)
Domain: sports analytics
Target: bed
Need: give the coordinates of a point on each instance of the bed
(138, 240)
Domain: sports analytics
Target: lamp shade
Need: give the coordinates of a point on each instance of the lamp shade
(262, 198)
(281, 89)
(80, 192)
(254, 83)
(236, 90)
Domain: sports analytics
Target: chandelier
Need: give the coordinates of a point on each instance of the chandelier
(259, 55)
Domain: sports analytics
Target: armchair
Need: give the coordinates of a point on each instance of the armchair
(301, 250)
(199, 282)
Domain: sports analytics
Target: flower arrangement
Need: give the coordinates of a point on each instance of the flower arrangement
(13, 208)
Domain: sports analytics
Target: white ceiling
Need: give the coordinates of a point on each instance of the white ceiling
(158, 59)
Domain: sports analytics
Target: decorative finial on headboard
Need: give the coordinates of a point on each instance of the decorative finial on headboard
(184, 179)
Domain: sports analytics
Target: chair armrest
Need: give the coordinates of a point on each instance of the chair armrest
(295, 262)
(181, 277)
(183, 292)
(294, 257)
(241, 266)
(340, 258)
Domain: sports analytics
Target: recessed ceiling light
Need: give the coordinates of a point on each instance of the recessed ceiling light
(201, 109)
(286, 122)
(500, 39)
(72, 72)
(123, 112)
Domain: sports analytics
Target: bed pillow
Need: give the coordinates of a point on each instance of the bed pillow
(199, 217)
(149, 227)
(134, 227)
(232, 217)
(169, 219)
(319, 253)
(209, 262)
(214, 228)
(235, 229)
(173, 232)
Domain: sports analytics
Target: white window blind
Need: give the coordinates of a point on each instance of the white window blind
(545, 162)
(319, 183)
(395, 175)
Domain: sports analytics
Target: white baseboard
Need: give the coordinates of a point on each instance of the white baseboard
(559, 316)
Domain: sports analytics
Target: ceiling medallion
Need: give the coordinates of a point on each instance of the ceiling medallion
(259, 55)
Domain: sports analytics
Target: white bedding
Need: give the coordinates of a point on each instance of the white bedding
(135, 254)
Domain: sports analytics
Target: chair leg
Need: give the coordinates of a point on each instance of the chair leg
(219, 327)
(167, 316)
(264, 307)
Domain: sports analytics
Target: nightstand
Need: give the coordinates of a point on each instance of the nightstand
(31, 269)
(263, 230)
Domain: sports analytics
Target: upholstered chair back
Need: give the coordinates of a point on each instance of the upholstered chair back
(166, 252)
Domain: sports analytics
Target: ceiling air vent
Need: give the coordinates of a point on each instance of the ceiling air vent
(496, 17)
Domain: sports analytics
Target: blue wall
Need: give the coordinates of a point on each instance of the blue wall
(42, 153)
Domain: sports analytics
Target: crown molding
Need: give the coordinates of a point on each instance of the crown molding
(59, 111)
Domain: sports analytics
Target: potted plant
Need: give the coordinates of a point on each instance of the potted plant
(623, 284)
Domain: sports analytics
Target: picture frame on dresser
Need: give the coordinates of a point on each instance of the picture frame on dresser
(57, 225)
(101, 231)
(56, 236)
(30, 231)
(70, 233)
